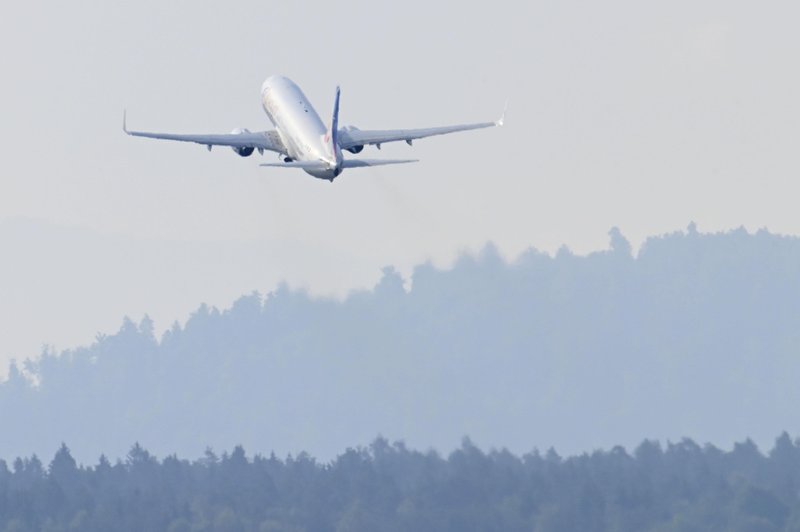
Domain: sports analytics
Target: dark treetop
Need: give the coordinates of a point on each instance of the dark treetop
(387, 487)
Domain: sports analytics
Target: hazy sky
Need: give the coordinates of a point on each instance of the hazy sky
(637, 114)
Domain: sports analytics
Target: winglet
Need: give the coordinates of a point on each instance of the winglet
(502, 118)
(125, 120)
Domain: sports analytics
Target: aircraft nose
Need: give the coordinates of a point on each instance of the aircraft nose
(273, 81)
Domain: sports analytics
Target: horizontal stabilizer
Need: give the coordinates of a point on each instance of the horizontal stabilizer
(360, 163)
(305, 165)
(351, 163)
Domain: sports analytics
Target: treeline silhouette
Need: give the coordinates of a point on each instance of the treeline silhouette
(388, 487)
(696, 335)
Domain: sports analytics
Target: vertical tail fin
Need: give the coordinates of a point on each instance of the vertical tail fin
(333, 132)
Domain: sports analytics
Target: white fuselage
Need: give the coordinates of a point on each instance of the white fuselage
(301, 129)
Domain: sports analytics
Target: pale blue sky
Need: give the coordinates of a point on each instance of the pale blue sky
(640, 115)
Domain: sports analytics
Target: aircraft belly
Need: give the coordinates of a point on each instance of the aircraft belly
(328, 175)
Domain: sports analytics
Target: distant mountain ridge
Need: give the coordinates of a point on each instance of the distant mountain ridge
(697, 335)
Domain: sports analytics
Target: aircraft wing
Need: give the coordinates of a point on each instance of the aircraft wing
(260, 140)
(349, 138)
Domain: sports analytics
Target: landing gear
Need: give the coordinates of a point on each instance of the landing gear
(287, 159)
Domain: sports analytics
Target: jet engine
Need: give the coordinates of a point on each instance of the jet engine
(353, 149)
(242, 151)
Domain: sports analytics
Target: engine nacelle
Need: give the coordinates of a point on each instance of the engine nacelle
(353, 149)
(245, 151)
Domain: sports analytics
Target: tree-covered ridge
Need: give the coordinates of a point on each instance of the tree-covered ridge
(390, 487)
(697, 335)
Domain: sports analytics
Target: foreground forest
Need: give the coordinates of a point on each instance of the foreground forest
(388, 487)
(695, 335)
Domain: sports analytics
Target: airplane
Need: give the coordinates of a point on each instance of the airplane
(301, 138)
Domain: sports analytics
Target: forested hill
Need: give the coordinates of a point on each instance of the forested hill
(697, 335)
(389, 487)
